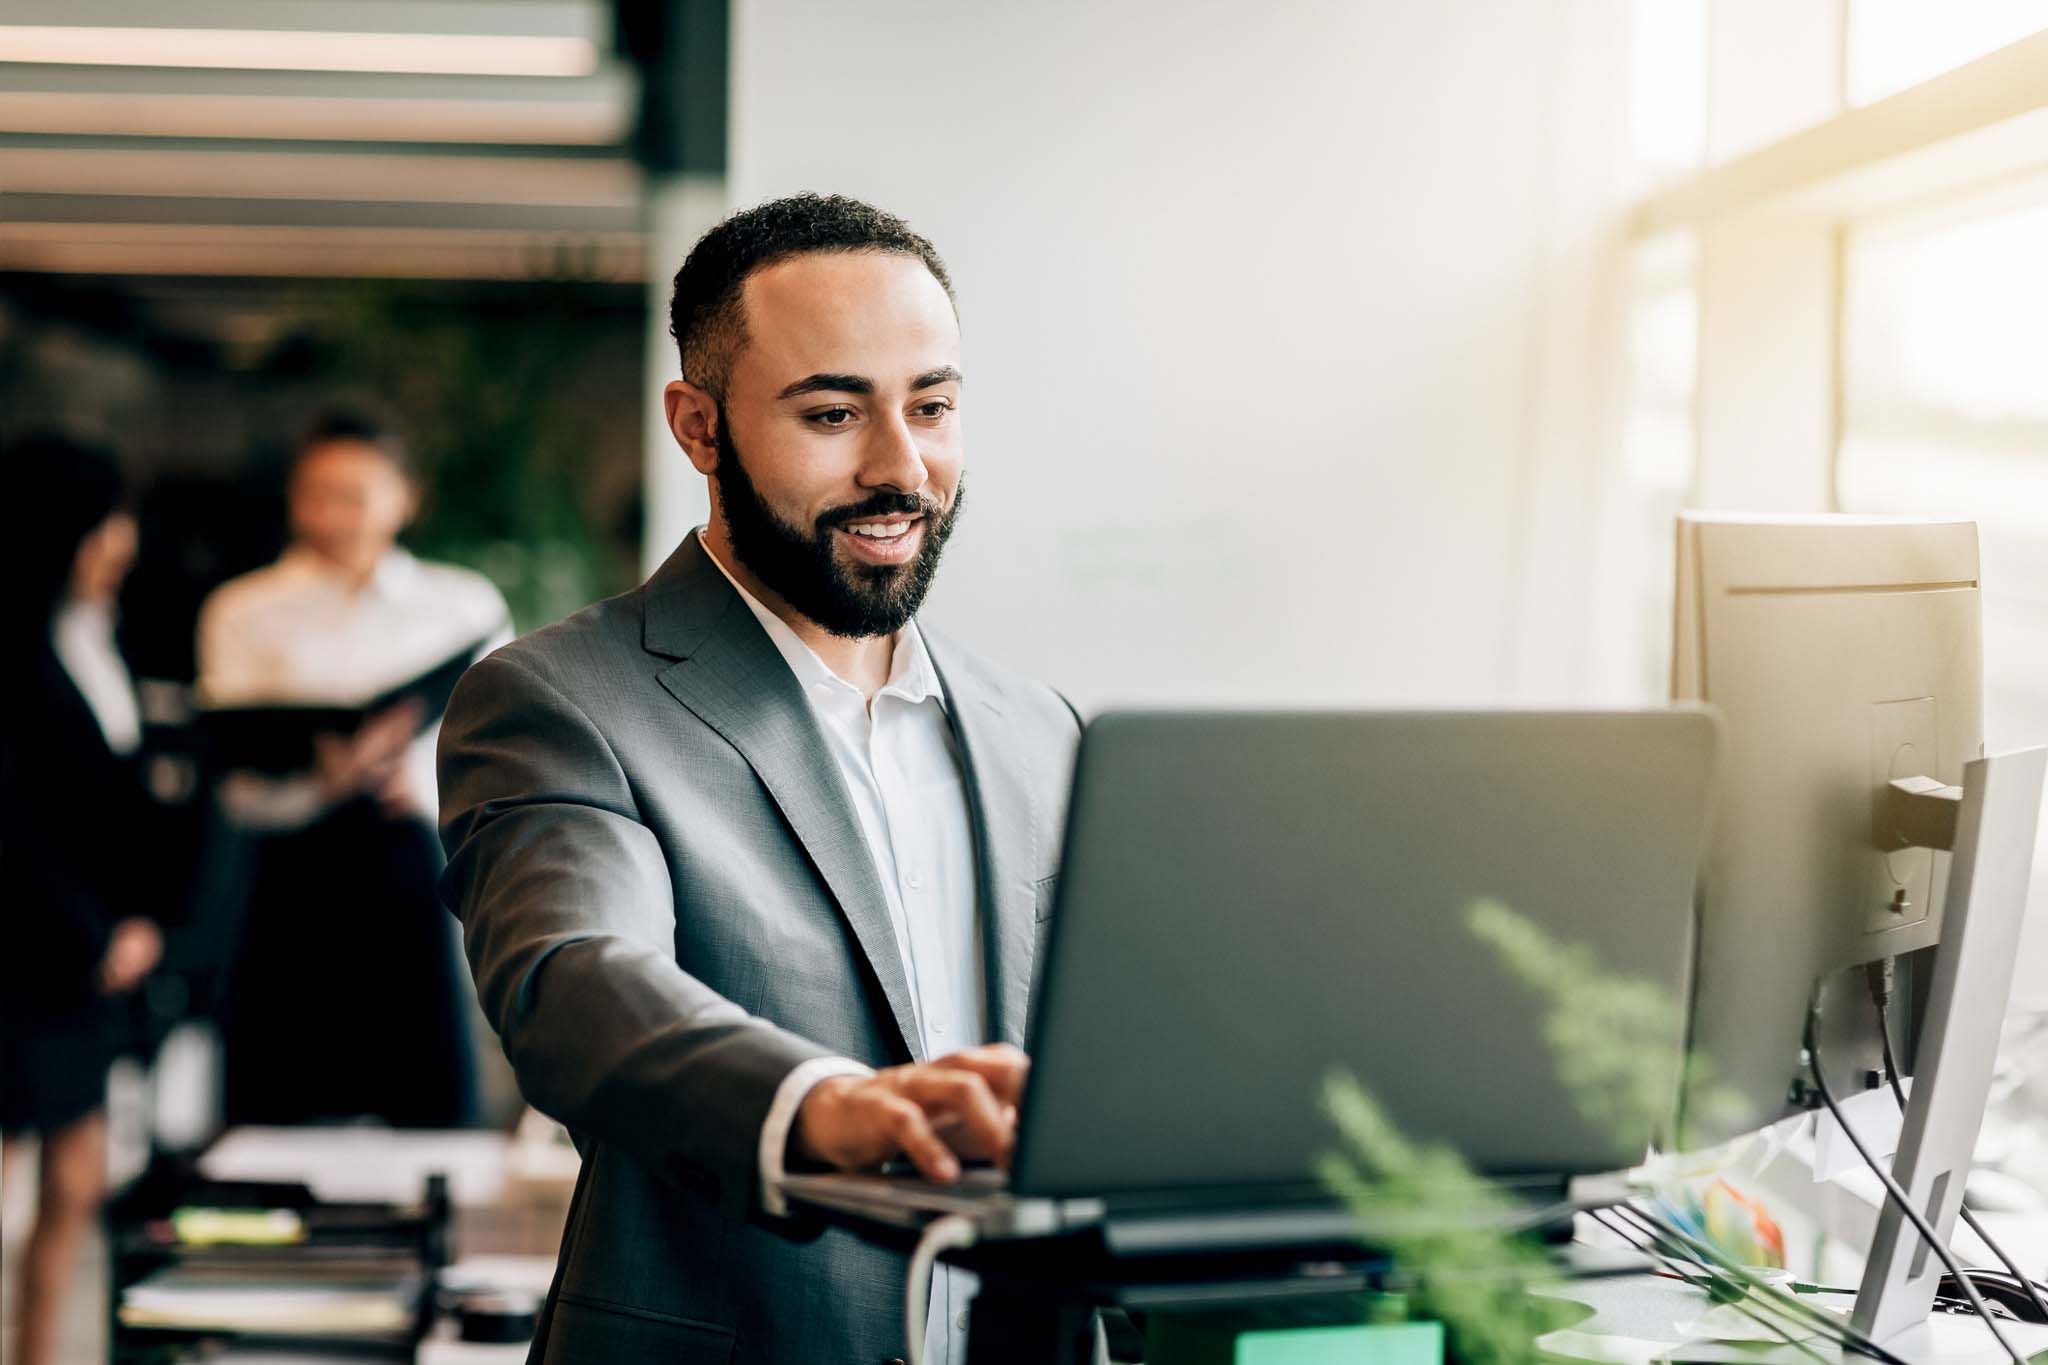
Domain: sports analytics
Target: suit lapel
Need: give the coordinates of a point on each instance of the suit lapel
(998, 779)
(728, 673)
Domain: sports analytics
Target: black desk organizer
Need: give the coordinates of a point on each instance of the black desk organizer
(410, 1240)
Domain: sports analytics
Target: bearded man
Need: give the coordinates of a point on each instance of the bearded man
(751, 865)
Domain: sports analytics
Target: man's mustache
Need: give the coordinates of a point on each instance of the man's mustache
(881, 505)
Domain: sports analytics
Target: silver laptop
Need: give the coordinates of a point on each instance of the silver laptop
(1249, 900)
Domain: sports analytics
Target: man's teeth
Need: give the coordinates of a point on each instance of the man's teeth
(888, 530)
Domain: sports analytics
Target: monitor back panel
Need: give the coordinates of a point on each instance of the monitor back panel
(1841, 653)
(1250, 900)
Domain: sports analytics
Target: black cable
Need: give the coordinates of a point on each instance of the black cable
(1707, 1255)
(1880, 996)
(1712, 1284)
(1899, 1196)
(1715, 1261)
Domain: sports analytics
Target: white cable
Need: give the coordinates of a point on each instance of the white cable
(949, 1233)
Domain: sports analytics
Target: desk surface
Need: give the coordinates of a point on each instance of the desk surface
(1638, 1317)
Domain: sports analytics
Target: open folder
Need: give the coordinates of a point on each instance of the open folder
(279, 737)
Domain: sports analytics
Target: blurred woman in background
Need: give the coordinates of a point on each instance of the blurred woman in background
(77, 830)
(347, 1000)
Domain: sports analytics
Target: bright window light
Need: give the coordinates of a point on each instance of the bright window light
(1896, 43)
(1944, 413)
(1668, 85)
(300, 50)
(1659, 442)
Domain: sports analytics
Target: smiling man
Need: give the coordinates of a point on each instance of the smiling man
(750, 865)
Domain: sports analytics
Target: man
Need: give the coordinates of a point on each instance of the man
(344, 872)
(725, 843)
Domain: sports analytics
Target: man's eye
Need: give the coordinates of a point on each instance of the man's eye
(833, 417)
(935, 409)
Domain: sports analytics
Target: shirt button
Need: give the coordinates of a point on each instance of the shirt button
(916, 882)
(939, 1027)
(960, 1320)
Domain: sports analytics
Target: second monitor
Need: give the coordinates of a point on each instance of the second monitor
(1844, 655)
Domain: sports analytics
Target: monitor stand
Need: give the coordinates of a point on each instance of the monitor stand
(1996, 825)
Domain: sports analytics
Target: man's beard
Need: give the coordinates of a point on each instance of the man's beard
(804, 570)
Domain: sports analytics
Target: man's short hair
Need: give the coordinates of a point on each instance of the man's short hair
(355, 421)
(706, 314)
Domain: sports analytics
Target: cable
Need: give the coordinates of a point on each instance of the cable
(1899, 1196)
(1713, 1285)
(950, 1233)
(1713, 1258)
(1715, 1261)
(1877, 975)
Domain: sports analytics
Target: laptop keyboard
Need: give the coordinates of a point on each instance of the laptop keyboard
(901, 1175)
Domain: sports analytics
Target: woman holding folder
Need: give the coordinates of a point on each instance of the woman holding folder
(346, 1000)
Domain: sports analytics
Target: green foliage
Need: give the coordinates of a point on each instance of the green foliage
(1442, 1225)
(1612, 1038)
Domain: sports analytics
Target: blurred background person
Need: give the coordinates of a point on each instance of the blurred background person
(76, 866)
(345, 1000)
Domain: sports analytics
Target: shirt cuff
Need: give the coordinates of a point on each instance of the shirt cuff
(789, 1097)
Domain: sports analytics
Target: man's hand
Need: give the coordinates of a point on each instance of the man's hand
(133, 950)
(961, 1105)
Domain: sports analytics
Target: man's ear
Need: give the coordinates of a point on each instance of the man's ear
(693, 421)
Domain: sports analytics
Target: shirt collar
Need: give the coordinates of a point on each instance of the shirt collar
(912, 676)
(394, 575)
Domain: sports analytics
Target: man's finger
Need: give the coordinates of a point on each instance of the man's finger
(1000, 1065)
(977, 1127)
(905, 1123)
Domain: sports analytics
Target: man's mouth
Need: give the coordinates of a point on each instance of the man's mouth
(891, 539)
(889, 528)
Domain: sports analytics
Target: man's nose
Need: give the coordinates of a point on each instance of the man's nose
(893, 459)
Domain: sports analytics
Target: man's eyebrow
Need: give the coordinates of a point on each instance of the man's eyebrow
(945, 374)
(828, 383)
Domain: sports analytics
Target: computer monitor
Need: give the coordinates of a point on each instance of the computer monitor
(1843, 654)
(1860, 822)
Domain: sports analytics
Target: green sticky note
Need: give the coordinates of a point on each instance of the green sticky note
(1226, 1339)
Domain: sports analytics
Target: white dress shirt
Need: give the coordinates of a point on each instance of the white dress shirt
(299, 631)
(82, 633)
(897, 757)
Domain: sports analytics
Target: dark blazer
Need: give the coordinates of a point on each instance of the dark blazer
(668, 904)
(79, 851)
(75, 815)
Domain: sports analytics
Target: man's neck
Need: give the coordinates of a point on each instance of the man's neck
(864, 662)
(355, 572)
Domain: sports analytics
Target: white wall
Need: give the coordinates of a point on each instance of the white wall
(1277, 319)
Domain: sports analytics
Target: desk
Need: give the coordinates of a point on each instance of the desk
(503, 1203)
(1037, 1299)
(506, 1218)
(1635, 1318)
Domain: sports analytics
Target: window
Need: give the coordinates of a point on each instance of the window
(1858, 315)
(1893, 44)
(1667, 86)
(1659, 434)
(1945, 411)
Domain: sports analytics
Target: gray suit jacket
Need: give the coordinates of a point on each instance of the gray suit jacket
(668, 904)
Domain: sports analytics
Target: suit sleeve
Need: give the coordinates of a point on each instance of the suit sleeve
(569, 922)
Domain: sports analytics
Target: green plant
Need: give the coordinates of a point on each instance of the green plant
(1612, 1038)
